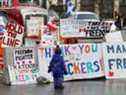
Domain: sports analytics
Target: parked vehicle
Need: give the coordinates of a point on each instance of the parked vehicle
(91, 16)
(86, 16)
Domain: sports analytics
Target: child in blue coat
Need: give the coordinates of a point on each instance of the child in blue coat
(57, 67)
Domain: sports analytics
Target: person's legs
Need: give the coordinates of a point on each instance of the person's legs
(58, 82)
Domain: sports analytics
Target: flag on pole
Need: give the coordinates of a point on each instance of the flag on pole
(70, 8)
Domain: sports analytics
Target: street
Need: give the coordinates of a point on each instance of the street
(82, 87)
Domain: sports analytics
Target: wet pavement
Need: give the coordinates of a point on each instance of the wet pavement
(88, 87)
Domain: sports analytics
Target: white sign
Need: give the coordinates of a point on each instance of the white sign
(24, 70)
(83, 28)
(82, 61)
(34, 26)
(115, 60)
(49, 37)
(114, 37)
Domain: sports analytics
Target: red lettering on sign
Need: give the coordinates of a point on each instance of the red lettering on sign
(11, 41)
(10, 28)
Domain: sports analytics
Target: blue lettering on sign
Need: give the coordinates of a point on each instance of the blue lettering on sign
(83, 68)
(81, 48)
(94, 48)
(89, 67)
(66, 50)
(124, 63)
(117, 63)
(116, 49)
(110, 63)
(78, 68)
(70, 65)
(47, 52)
(124, 48)
(110, 49)
(97, 66)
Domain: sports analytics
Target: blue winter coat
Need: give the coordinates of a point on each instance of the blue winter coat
(57, 66)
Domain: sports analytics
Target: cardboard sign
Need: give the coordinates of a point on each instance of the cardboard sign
(115, 60)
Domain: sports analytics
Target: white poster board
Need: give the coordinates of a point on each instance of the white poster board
(34, 26)
(83, 61)
(114, 37)
(48, 37)
(24, 69)
(83, 28)
(115, 60)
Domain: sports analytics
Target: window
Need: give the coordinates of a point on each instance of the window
(25, 1)
(87, 16)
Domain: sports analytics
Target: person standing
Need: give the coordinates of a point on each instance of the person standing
(57, 67)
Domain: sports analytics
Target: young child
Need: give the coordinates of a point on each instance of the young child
(57, 67)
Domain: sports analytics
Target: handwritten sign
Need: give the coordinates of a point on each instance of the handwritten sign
(13, 35)
(24, 69)
(82, 61)
(48, 37)
(115, 61)
(34, 26)
(82, 28)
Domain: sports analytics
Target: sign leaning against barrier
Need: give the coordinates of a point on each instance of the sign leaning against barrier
(23, 69)
(82, 61)
(115, 60)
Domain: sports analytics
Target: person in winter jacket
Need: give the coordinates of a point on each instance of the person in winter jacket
(57, 67)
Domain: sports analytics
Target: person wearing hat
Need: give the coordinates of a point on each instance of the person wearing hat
(57, 67)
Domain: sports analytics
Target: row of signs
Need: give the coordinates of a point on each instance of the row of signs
(14, 32)
(83, 61)
(82, 28)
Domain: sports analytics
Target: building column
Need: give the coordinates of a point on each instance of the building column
(115, 7)
(77, 2)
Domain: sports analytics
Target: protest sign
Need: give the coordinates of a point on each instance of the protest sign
(13, 35)
(114, 60)
(23, 69)
(82, 61)
(83, 28)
